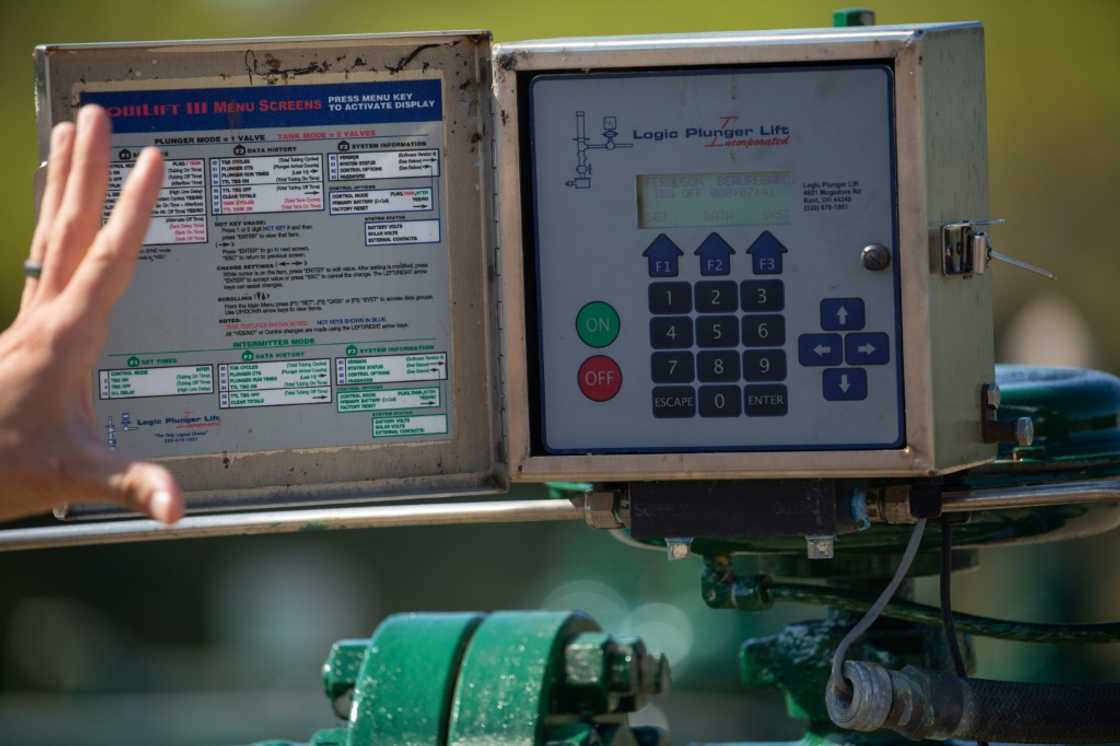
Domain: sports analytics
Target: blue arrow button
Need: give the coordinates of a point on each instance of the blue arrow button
(869, 348)
(845, 384)
(663, 255)
(715, 255)
(766, 254)
(842, 314)
(820, 349)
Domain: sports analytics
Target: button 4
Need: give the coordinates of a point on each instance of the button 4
(845, 384)
(600, 378)
(820, 349)
(869, 348)
(842, 314)
(670, 332)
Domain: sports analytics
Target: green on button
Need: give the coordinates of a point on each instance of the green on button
(597, 324)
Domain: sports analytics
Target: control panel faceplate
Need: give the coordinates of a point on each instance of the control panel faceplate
(697, 260)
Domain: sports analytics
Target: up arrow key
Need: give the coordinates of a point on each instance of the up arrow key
(766, 254)
(842, 316)
(663, 257)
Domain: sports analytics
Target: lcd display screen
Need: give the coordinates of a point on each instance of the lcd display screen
(714, 199)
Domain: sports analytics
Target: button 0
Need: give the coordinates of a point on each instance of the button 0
(717, 331)
(820, 349)
(717, 297)
(671, 402)
(764, 330)
(766, 400)
(672, 367)
(720, 401)
(870, 348)
(842, 314)
(845, 384)
(670, 297)
(600, 378)
(597, 324)
(721, 365)
(670, 332)
(762, 295)
(764, 365)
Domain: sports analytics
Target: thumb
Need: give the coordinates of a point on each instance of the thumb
(144, 487)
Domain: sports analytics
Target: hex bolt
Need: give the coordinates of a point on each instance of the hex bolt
(875, 257)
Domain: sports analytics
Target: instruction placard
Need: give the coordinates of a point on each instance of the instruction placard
(294, 278)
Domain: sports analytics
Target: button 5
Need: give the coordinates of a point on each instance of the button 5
(717, 331)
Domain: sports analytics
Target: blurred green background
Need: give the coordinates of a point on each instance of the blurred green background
(220, 641)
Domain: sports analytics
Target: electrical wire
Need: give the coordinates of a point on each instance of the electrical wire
(946, 592)
(837, 680)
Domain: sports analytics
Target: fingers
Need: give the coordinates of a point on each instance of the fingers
(58, 169)
(144, 487)
(78, 215)
(108, 267)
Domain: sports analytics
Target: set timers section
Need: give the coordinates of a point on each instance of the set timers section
(701, 279)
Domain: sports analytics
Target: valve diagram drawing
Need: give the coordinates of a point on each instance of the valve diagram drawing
(582, 179)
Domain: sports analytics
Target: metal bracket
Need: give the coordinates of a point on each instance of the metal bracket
(966, 251)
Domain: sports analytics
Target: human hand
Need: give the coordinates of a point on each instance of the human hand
(51, 452)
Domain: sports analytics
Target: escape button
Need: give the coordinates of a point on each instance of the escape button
(600, 378)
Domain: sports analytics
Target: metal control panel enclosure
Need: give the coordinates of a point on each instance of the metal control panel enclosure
(311, 321)
(683, 223)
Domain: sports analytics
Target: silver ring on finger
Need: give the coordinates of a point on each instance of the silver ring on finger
(32, 269)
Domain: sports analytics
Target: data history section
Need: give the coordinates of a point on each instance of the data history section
(293, 287)
(699, 281)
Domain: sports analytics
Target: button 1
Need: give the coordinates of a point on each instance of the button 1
(717, 331)
(597, 324)
(674, 402)
(717, 366)
(717, 297)
(845, 384)
(762, 295)
(600, 378)
(720, 401)
(670, 332)
(842, 314)
(869, 348)
(764, 365)
(766, 400)
(672, 367)
(670, 297)
(820, 349)
(764, 330)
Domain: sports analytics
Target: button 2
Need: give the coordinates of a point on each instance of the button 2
(717, 297)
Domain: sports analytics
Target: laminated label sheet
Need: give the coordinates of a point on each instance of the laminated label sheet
(292, 291)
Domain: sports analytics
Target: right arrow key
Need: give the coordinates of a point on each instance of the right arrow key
(845, 384)
(867, 348)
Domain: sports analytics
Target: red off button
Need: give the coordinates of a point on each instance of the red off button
(600, 378)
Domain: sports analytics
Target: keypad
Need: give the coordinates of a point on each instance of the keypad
(717, 331)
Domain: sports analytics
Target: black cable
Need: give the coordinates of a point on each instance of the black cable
(947, 604)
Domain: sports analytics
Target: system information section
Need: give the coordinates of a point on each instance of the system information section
(698, 270)
(292, 291)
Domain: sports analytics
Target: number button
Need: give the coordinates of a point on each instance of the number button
(719, 366)
(717, 331)
(764, 330)
(764, 365)
(720, 401)
(672, 367)
(716, 297)
(762, 295)
(670, 297)
(670, 332)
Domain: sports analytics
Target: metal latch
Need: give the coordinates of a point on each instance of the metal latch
(968, 251)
